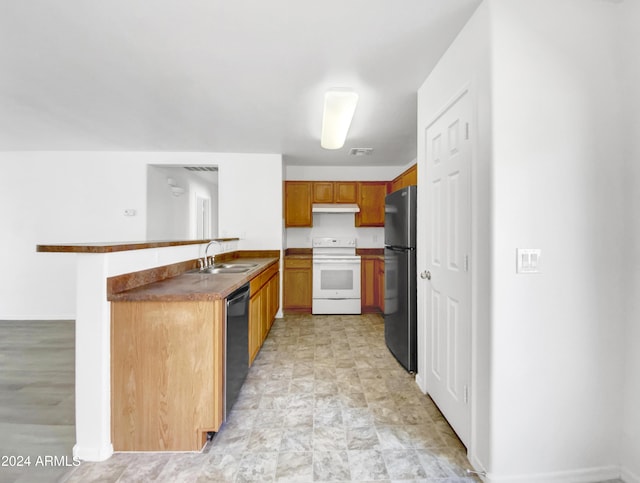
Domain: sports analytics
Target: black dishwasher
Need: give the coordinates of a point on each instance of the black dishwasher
(237, 345)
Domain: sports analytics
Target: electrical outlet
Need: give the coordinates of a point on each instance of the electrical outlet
(528, 260)
(130, 212)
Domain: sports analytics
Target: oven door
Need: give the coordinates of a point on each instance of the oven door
(336, 278)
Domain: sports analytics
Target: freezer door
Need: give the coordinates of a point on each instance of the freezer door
(400, 218)
(400, 317)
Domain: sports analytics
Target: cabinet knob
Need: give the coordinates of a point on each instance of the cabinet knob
(426, 275)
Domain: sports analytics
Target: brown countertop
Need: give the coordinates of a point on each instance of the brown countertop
(195, 286)
(298, 252)
(109, 247)
(370, 252)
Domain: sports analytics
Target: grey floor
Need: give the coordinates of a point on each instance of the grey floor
(37, 407)
(324, 401)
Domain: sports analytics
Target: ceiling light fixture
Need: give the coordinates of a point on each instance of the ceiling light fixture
(339, 107)
(173, 186)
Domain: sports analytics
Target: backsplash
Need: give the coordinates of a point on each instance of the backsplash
(335, 225)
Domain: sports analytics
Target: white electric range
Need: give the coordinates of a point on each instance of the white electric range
(336, 276)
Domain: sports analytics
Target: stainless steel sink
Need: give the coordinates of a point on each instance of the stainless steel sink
(227, 268)
(235, 265)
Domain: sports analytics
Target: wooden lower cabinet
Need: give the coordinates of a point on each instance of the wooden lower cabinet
(263, 307)
(372, 284)
(255, 325)
(368, 285)
(379, 269)
(167, 366)
(167, 362)
(274, 298)
(297, 284)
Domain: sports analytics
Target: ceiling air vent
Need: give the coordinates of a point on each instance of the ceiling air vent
(201, 168)
(360, 151)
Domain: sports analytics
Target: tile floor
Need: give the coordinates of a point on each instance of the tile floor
(324, 401)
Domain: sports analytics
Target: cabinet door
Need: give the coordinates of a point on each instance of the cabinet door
(297, 203)
(379, 267)
(396, 184)
(345, 192)
(410, 176)
(264, 313)
(255, 327)
(274, 297)
(151, 343)
(368, 284)
(323, 192)
(297, 284)
(371, 200)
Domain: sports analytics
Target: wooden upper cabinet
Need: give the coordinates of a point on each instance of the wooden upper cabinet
(408, 178)
(346, 192)
(396, 184)
(371, 196)
(335, 191)
(297, 203)
(323, 192)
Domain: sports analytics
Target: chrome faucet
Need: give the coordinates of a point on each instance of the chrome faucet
(207, 261)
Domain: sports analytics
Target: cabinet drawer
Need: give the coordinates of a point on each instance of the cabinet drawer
(258, 281)
(297, 263)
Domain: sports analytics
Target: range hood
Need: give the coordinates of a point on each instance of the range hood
(335, 208)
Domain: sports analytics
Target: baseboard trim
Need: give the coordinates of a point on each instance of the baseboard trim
(93, 454)
(589, 475)
(421, 383)
(35, 318)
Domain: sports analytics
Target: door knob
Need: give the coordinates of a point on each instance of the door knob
(426, 275)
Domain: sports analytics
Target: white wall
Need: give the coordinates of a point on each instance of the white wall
(343, 173)
(550, 349)
(250, 197)
(557, 336)
(57, 198)
(630, 67)
(465, 65)
(76, 197)
(335, 225)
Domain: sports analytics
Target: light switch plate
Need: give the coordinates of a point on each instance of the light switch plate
(528, 260)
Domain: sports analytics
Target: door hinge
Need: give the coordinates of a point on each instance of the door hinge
(466, 263)
(466, 394)
(466, 131)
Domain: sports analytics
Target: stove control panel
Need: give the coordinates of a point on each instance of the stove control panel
(328, 242)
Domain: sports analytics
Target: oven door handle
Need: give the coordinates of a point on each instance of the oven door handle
(333, 261)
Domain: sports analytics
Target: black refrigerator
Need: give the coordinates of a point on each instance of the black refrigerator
(400, 299)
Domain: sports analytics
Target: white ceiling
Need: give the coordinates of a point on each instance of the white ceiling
(218, 76)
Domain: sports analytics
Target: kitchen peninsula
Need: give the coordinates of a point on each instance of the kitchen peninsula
(153, 272)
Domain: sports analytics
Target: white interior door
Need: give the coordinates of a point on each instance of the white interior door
(446, 280)
(203, 217)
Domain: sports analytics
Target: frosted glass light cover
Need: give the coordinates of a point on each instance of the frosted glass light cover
(339, 107)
